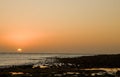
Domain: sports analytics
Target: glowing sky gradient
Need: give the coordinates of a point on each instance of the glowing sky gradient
(59, 25)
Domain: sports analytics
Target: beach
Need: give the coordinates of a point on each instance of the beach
(63, 67)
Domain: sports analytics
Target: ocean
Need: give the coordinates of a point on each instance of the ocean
(10, 59)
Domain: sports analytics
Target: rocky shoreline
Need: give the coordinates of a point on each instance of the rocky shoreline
(67, 67)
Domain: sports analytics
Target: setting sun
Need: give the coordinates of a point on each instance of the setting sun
(19, 50)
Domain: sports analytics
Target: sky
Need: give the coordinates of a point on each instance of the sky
(60, 26)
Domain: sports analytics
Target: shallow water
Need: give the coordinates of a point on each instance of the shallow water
(8, 59)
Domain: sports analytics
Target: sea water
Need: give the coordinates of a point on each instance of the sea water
(9, 59)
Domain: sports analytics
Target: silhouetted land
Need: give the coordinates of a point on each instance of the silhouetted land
(67, 67)
(98, 61)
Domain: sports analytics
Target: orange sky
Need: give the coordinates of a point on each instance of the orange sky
(80, 26)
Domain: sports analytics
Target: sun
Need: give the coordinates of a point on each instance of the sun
(19, 50)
